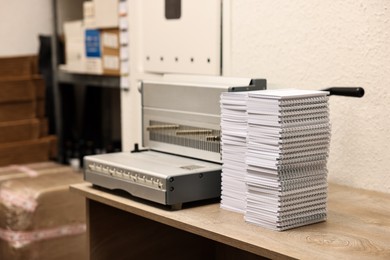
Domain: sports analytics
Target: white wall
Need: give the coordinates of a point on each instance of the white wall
(320, 43)
(21, 21)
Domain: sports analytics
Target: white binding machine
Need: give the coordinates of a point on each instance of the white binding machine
(181, 130)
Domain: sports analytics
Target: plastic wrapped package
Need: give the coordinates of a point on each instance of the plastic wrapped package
(39, 217)
(31, 170)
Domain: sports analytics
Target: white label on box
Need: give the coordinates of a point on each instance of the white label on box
(110, 40)
(111, 62)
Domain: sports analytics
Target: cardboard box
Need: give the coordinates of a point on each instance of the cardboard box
(110, 51)
(74, 45)
(89, 23)
(43, 127)
(18, 111)
(89, 15)
(28, 203)
(88, 9)
(111, 62)
(18, 66)
(101, 51)
(106, 13)
(39, 217)
(93, 66)
(21, 130)
(41, 108)
(31, 169)
(110, 39)
(64, 247)
(19, 96)
(14, 89)
(40, 87)
(27, 151)
(53, 145)
(41, 98)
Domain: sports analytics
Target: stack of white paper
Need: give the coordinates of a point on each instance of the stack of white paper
(287, 151)
(233, 146)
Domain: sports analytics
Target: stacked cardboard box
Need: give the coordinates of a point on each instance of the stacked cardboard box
(74, 46)
(39, 217)
(18, 66)
(101, 14)
(106, 13)
(91, 51)
(92, 44)
(23, 126)
(110, 51)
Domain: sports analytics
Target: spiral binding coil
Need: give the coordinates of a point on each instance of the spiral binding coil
(303, 221)
(296, 102)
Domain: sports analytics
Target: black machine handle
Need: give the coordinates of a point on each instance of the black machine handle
(346, 91)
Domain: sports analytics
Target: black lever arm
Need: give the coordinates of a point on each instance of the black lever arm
(346, 91)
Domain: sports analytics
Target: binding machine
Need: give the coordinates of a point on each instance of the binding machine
(181, 133)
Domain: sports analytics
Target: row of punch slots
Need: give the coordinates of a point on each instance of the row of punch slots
(198, 138)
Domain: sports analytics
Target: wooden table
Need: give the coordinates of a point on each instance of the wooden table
(120, 227)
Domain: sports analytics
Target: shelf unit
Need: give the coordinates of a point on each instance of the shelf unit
(61, 77)
(88, 79)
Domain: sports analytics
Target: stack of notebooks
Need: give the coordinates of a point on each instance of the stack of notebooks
(288, 135)
(233, 146)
